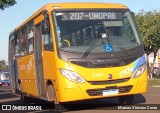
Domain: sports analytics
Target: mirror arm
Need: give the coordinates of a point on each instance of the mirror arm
(45, 24)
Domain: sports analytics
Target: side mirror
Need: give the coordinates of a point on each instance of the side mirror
(45, 28)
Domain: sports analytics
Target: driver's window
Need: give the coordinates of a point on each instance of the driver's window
(48, 41)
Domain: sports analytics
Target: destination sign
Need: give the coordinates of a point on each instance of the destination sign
(91, 15)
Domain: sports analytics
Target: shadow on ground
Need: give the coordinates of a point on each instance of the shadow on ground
(106, 104)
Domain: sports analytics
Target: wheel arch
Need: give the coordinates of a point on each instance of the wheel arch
(49, 82)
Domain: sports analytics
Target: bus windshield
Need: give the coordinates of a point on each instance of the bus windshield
(110, 31)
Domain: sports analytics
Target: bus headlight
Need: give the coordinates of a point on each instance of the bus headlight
(73, 76)
(139, 71)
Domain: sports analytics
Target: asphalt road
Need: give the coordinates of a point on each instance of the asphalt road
(95, 106)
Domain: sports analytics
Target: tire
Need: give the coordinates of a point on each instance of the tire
(51, 97)
(126, 100)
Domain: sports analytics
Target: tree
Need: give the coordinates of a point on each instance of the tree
(149, 26)
(3, 65)
(6, 3)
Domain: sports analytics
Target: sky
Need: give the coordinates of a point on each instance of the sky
(13, 16)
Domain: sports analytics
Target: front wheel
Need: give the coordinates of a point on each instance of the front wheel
(51, 97)
(126, 100)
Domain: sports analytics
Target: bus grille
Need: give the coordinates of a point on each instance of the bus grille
(92, 63)
(108, 81)
(99, 92)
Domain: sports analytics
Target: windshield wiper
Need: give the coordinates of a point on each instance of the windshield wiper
(114, 42)
(91, 47)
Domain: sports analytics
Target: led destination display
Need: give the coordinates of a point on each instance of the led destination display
(92, 15)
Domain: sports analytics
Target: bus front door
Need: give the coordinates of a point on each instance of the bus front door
(38, 61)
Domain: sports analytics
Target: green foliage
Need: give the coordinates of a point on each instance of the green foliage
(149, 26)
(6, 3)
(3, 65)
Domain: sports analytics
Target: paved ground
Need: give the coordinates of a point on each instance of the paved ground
(94, 106)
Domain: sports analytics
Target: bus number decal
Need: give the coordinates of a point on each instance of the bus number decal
(97, 75)
(76, 16)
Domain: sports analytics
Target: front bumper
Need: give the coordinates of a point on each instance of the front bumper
(71, 91)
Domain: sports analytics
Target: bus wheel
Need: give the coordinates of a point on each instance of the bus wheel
(51, 97)
(51, 93)
(126, 100)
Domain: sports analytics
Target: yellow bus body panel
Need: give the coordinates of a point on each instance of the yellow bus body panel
(78, 5)
(38, 19)
(26, 73)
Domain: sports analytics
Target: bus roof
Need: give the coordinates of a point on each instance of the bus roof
(73, 5)
(78, 5)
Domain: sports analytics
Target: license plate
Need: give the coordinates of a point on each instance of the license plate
(110, 92)
(5, 85)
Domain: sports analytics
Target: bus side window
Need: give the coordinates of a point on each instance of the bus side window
(30, 38)
(48, 42)
(17, 45)
(31, 45)
(23, 42)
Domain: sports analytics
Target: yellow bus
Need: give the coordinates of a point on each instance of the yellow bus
(76, 51)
